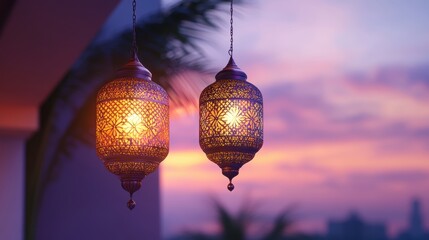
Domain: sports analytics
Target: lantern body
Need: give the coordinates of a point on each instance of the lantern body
(231, 120)
(132, 125)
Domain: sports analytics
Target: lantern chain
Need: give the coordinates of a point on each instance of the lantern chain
(230, 52)
(135, 49)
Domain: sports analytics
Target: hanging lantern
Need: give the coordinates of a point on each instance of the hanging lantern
(231, 118)
(132, 121)
(231, 121)
(132, 124)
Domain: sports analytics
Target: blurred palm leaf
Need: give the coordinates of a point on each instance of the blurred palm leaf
(233, 227)
(167, 38)
(281, 223)
(236, 226)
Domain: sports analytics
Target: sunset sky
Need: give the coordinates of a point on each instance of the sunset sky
(346, 114)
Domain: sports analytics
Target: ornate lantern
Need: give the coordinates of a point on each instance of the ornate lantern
(231, 118)
(231, 121)
(132, 124)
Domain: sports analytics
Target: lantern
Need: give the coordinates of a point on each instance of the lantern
(231, 118)
(231, 121)
(132, 125)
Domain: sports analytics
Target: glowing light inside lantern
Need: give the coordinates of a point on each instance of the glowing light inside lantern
(233, 117)
(134, 126)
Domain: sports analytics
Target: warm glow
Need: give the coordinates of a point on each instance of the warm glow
(133, 126)
(233, 117)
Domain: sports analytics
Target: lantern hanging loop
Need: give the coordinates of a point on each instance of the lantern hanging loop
(231, 30)
(135, 48)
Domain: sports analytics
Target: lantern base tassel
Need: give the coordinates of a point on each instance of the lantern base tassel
(230, 173)
(131, 186)
(230, 186)
(131, 204)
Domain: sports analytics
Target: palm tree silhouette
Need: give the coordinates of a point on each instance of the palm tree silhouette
(236, 226)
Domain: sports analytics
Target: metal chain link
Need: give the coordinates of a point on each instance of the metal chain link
(230, 52)
(135, 49)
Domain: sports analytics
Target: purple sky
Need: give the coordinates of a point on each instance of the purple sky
(346, 91)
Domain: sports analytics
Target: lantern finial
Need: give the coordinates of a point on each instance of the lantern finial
(131, 204)
(231, 71)
(134, 68)
(230, 173)
(230, 186)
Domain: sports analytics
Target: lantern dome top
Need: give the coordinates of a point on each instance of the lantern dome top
(231, 89)
(133, 81)
(231, 72)
(134, 68)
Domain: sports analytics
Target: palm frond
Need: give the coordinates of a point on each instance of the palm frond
(236, 226)
(233, 228)
(281, 223)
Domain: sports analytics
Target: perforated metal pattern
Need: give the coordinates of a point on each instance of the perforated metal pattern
(231, 122)
(132, 135)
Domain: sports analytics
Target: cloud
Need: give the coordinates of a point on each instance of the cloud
(401, 176)
(413, 81)
(388, 103)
